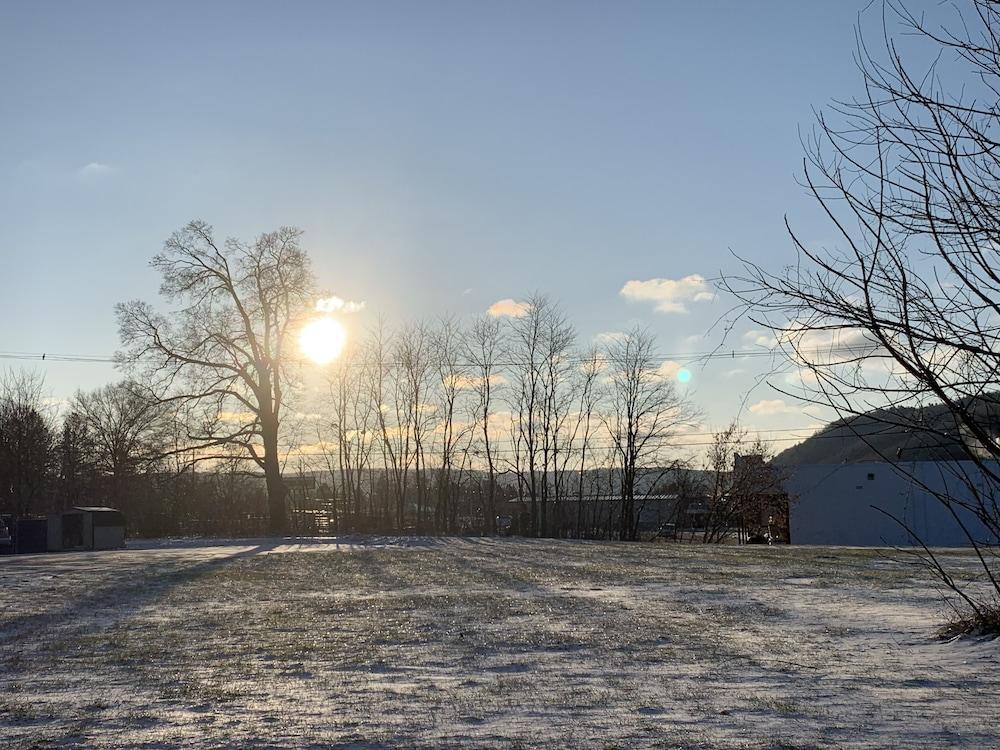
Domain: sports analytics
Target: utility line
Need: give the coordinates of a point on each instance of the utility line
(680, 357)
(714, 355)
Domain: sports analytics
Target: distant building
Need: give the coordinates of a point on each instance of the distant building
(846, 504)
(301, 488)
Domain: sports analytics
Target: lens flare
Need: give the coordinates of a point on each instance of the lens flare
(322, 340)
(684, 375)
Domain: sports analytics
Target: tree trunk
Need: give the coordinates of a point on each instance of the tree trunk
(276, 491)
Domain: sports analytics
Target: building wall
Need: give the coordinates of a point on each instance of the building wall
(55, 532)
(832, 503)
(109, 537)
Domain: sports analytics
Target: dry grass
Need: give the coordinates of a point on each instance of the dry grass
(969, 623)
(484, 643)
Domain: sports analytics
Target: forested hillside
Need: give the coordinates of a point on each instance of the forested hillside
(902, 433)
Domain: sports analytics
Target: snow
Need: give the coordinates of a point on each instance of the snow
(385, 642)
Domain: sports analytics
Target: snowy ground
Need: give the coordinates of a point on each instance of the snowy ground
(484, 643)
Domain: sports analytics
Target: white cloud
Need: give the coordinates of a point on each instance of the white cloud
(760, 338)
(802, 377)
(94, 170)
(337, 304)
(769, 407)
(734, 372)
(608, 337)
(508, 308)
(829, 345)
(669, 295)
(467, 292)
(692, 427)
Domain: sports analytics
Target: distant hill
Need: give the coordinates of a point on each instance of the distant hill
(893, 434)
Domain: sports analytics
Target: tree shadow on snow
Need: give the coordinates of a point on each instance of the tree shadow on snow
(107, 605)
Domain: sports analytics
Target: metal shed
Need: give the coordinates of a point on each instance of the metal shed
(86, 528)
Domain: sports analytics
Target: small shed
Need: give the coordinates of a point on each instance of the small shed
(86, 528)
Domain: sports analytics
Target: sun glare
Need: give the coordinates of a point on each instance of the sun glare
(323, 339)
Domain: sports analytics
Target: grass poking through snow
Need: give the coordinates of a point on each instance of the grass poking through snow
(484, 643)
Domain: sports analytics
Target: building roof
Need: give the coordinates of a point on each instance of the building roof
(94, 509)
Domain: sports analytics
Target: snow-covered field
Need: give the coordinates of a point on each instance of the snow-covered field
(484, 643)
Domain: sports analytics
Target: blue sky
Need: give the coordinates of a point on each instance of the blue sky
(439, 155)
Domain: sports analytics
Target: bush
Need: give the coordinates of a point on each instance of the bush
(984, 621)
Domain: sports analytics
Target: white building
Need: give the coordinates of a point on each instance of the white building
(833, 503)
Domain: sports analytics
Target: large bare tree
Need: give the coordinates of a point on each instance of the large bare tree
(903, 309)
(222, 351)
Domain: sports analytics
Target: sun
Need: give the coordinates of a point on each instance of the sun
(323, 339)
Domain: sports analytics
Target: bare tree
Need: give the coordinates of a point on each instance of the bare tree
(348, 450)
(644, 410)
(905, 309)
(414, 371)
(449, 347)
(539, 348)
(484, 346)
(394, 411)
(743, 492)
(590, 396)
(77, 460)
(525, 349)
(559, 386)
(127, 429)
(225, 348)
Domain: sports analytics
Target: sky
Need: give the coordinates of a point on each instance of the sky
(440, 157)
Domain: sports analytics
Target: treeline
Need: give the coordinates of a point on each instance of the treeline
(509, 415)
(112, 447)
(431, 428)
(506, 401)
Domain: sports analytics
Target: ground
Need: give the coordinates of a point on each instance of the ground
(485, 643)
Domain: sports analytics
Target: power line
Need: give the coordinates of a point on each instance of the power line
(46, 357)
(689, 357)
(679, 357)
